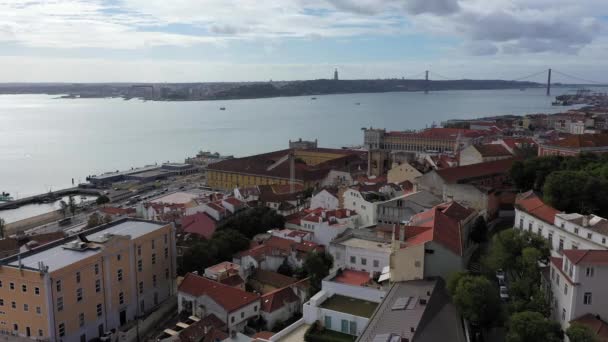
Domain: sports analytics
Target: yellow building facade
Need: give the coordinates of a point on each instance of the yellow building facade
(77, 289)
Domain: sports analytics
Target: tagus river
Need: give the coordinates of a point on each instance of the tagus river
(45, 142)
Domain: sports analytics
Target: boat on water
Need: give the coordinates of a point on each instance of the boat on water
(313, 98)
(222, 108)
(358, 103)
(5, 197)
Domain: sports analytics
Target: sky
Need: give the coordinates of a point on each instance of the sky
(256, 40)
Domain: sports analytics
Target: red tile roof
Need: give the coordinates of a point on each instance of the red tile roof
(117, 211)
(273, 279)
(229, 298)
(352, 277)
(264, 335)
(577, 141)
(441, 133)
(200, 224)
(595, 324)
(217, 206)
(234, 201)
(492, 150)
(587, 257)
(276, 299)
(463, 174)
(233, 280)
(196, 331)
(531, 203)
(445, 223)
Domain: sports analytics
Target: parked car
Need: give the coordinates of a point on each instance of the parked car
(502, 282)
(504, 293)
(500, 274)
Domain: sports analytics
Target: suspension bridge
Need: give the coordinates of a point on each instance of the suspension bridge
(548, 72)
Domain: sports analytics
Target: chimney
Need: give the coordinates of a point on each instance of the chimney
(585, 221)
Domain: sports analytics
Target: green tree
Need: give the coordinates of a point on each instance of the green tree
(253, 221)
(317, 266)
(530, 326)
(285, 269)
(577, 332)
(453, 280)
(107, 218)
(2, 227)
(479, 231)
(103, 199)
(94, 220)
(477, 300)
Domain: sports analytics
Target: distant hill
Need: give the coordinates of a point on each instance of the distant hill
(249, 90)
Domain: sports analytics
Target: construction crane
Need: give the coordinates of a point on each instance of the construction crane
(292, 169)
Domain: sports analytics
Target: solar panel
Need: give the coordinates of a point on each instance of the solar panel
(401, 303)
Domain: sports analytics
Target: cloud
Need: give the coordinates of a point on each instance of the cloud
(439, 7)
(481, 48)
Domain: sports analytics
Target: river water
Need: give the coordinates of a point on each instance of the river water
(45, 142)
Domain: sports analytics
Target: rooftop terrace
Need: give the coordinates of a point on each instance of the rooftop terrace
(349, 305)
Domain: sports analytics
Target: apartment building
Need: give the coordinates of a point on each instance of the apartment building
(577, 284)
(79, 287)
(562, 230)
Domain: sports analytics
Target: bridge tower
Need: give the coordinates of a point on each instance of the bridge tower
(426, 81)
(549, 82)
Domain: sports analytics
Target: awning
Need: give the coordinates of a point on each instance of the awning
(383, 277)
(170, 332)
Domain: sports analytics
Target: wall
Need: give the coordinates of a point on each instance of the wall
(369, 255)
(442, 262)
(281, 315)
(337, 317)
(366, 210)
(467, 195)
(242, 315)
(32, 222)
(365, 293)
(324, 199)
(407, 263)
(469, 156)
(402, 173)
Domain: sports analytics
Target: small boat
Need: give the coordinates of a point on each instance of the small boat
(557, 103)
(358, 103)
(222, 108)
(5, 197)
(313, 98)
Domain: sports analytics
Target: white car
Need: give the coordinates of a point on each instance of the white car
(500, 275)
(504, 293)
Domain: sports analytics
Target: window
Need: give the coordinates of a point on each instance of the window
(16, 327)
(557, 279)
(119, 274)
(550, 238)
(576, 231)
(587, 298)
(97, 285)
(118, 257)
(353, 328)
(255, 308)
(153, 244)
(139, 265)
(363, 261)
(530, 226)
(153, 258)
(540, 231)
(1, 302)
(139, 250)
(353, 260)
(166, 239)
(327, 322)
(79, 294)
(121, 298)
(23, 288)
(81, 319)
(563, 314)
(142, 306)
(166, 273)
(58, 284)
(232, 319)
(565, 289)
(96, 269)
(166, 252)
(60, 304)
(242, 315)
(38, 310)
(0, 283)
(589, 235)
(154, 280)
(61, 330)
(141, 287)
(11, 286)
(37, 291)
(13, 305)
(155, 298)
(78, 277)
(344, 326)
(26, 307)
(589, 271)
(99, 310)
(603, 241)
(376, 263)
(521, 223)
(40, 332)
(561, 245)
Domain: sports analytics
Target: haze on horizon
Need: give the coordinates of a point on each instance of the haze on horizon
(248, 40)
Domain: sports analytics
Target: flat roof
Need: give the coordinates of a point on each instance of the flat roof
(349, 305)
(56, 257)
(176, 198)
(367, 244)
